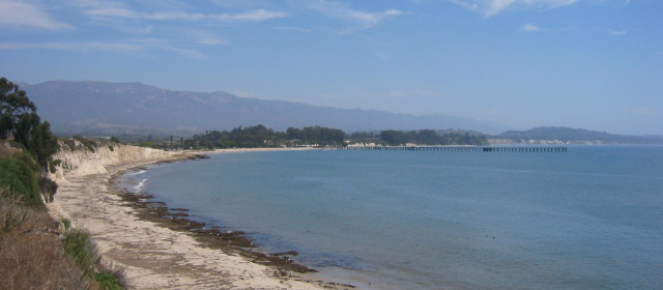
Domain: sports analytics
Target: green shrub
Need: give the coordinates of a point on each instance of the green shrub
(18, 176)
(109, 280)
(79, 246)
(12, 215)
(147, 144)
(70, 143)
(53, 164)
(48, 187)
(90, 145)
(66, 223)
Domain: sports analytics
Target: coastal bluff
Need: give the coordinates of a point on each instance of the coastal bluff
(76, 158)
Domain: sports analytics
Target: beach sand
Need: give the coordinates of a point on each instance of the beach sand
(153, 257)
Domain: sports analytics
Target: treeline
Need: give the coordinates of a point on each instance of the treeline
(261, 136)
(432, 137)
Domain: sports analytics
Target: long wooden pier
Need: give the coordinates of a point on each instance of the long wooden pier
(546, 149)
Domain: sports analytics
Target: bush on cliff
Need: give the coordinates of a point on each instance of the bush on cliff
(32, 256)
(19, 176)
(79, 246)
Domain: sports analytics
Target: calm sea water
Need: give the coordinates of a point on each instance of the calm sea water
(591, 218)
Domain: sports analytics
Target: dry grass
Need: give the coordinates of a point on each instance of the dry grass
(7, 149)
(31, 254)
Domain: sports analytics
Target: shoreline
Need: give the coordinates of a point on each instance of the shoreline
(210, 236)
(155, 256)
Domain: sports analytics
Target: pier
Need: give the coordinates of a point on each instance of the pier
(541, 149)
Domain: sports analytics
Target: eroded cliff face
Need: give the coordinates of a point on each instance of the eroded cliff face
(78, 159)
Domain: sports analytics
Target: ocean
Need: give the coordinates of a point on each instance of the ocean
(590, 218)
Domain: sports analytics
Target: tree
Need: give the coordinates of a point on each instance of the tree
(18, 117)
(393, 137)
(13, 104)
(41, 143)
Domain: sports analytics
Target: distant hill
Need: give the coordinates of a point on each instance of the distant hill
(564, 135)
(92, 107)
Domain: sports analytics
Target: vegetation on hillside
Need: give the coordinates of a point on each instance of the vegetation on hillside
(20, 176)
(36, 252)
(570, 135)
(18, 118)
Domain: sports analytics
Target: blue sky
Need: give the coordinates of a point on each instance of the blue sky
(594, 64)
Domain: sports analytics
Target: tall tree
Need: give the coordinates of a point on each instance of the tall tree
(18, 117)
(36, 136)
(13, 104)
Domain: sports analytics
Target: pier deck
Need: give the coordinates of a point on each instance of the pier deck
(546, 149)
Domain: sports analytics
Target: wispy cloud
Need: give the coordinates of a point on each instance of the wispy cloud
(133, 45)
(298, 29)
(616, 32)
(341, 11)
(257, 15)
(204, 37)
(494, 7)
(530, 28)
(466, 4)
(186, 52)
(81, 46)
(18, 14)
(252, 16)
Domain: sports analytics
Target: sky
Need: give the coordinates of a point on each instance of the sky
(592, 64)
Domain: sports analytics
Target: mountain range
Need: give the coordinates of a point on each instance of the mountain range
(102, 108)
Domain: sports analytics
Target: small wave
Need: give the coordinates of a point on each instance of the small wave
(138, 188)
(136, 173)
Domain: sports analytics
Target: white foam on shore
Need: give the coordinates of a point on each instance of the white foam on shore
(138, 188)
(136, 173)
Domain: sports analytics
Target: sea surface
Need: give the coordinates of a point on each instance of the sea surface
(590, 218)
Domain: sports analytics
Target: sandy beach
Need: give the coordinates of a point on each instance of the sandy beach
(153, 257)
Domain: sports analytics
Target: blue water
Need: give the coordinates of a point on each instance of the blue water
(591, 218)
